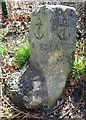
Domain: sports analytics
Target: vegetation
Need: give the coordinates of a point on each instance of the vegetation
(22, 53)
(3, 51)
(3, 34)
(78, 64)
(78, 68)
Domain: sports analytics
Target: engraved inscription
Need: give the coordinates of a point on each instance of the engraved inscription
(33, 45)
(38, 34)
(60, 11)
(43, 46)
(63, 25)
(63, 22)
(57, 47)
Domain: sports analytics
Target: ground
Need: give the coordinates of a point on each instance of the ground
(71, 103)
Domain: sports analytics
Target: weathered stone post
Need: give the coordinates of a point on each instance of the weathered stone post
(53, 39)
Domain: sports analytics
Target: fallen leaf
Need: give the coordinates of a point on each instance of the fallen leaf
(8, 68)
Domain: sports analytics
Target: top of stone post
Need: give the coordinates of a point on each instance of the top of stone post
(56, 6)
(60, 6)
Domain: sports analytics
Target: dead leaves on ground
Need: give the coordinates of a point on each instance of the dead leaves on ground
(21, 18)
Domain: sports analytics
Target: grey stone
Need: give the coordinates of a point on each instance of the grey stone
(26, 89)
(52, 41)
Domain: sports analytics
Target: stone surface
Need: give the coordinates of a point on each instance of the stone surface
(52, 40)
(26, 89)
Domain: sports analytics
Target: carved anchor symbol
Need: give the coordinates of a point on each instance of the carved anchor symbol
(64, 24)
(38, 34)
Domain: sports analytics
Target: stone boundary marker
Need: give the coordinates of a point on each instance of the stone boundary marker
(53, 39)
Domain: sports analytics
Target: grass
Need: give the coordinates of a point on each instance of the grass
(3, 51)
(78, 68)
(78, 63)
(22, 54)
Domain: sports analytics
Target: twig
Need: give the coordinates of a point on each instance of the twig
(66, 113)
(10, 105)
(15, 116)
(26, 115)
(31, 116)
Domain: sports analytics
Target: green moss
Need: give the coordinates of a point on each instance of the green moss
(22, 53)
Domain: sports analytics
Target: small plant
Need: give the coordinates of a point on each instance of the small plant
(3, 51)
(3, 34)
(22, 54)
(78, 68)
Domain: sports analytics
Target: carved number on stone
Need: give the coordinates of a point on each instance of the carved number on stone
(37, 32)
(43, 46)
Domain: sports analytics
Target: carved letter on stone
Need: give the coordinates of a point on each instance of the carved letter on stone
(37, 32)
